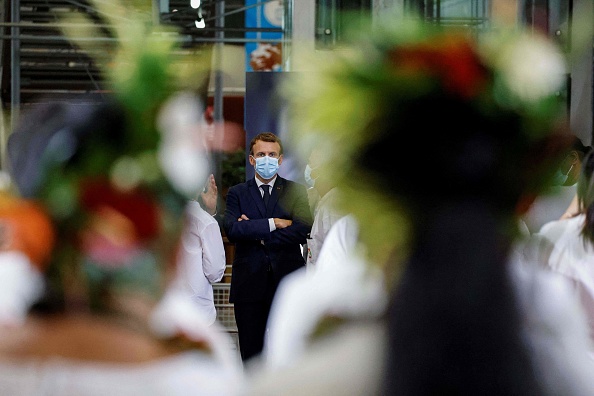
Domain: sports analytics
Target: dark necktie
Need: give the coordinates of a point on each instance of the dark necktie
(266, 195)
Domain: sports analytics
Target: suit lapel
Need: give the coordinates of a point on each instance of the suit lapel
(257, 197)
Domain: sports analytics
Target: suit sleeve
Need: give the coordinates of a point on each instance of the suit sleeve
(246, 230)
(300, 214)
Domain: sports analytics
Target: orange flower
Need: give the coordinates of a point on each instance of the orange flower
(26, 227)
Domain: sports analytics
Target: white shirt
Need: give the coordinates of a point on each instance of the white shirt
(193, 372)
(326, 216)
(343, 284)
(573, 258)
(554, 328)
(549, 207)
(189, 373)
(201, 258)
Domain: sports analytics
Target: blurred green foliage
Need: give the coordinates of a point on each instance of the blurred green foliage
(233, 169)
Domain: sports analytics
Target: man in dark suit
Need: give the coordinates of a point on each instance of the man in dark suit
(268, 218)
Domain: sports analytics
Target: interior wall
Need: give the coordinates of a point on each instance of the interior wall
(581, 111)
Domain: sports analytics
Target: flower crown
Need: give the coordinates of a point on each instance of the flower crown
(108, 171)
(503, 85)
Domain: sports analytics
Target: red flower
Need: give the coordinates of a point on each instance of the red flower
(452, 60)
(138, 206)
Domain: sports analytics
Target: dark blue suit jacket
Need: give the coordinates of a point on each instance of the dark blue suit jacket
(257, 250)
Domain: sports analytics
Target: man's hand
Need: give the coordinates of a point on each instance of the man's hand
(209, 196)
(243, 217)
(282, 223)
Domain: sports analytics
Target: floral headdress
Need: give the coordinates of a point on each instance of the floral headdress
(106, 169)
(410, 94)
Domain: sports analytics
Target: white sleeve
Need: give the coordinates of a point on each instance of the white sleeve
(339, 243)
(213, 253)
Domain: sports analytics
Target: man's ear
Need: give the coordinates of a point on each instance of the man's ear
(252, 160)
(280, 159)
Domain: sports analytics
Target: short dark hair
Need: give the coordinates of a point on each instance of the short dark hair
(266, 137)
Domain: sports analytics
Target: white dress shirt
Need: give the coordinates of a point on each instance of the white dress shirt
(343, 284)
(549, 207)
(201, 258)
(326, 216)
(573, 258)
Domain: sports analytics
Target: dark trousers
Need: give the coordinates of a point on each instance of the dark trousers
(251, 318)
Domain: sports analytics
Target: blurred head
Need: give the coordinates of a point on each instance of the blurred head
(414, 96)
(319, 172)
(434, 137)
(570, 166)
(112, 170)
(114, 211)
(314, 169)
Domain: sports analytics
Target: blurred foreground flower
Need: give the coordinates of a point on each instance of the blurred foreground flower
(27, 238)
(529, 66)
(102, 324)
(115, 184)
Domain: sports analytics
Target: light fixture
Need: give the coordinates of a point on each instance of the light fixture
(200, 24)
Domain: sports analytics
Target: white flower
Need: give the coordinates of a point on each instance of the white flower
(531, 66)
(21, 284)
(182, 153)
(126, 173)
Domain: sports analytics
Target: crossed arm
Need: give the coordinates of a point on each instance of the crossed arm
(239, 226)
(278, 223)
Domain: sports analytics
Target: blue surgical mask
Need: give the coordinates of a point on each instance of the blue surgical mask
(307, 175)
(266, 167)
(559, 178)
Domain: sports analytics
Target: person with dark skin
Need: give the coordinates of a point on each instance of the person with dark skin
(570, 240)
(560, 200)
(459, 320)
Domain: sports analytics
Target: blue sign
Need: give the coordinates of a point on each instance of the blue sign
(264, 55)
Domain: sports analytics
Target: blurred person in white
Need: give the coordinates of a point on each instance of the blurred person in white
(325, 211)
(112, 182)
(310, 174)
(558, 201)
(341, 286)
(567, 245)
(460, 320)
(201, 253)
(103, 324)
(326, 216)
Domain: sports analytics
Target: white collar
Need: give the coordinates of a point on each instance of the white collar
(270, 183)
